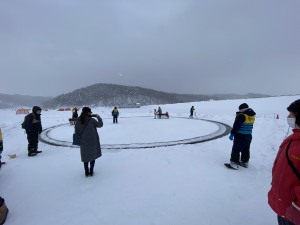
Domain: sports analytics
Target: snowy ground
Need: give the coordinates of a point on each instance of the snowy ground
(183, 184)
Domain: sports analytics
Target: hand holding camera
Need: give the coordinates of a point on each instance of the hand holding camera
(94, 115)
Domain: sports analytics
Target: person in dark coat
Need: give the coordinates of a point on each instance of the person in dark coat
(33, 127)
(192, 112)
(3, 211)
(90, 148)
(284, 195)
(159, 112)
(115, 114)
(1, 146)
(241, 134)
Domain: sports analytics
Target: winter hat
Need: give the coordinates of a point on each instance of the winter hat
(295, 108)
(86, 110)
(35, 109)
(243, 106)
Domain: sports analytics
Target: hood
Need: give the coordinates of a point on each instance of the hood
(247, 111)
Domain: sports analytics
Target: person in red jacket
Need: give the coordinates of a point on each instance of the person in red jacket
(284, 195)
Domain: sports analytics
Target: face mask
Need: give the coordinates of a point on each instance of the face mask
(291, 122)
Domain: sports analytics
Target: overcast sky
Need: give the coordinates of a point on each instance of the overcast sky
(52, 47)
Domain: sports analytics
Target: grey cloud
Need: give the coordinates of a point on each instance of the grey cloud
(183, 46)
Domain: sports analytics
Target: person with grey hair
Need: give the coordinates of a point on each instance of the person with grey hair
(90, 149)
(241, 135)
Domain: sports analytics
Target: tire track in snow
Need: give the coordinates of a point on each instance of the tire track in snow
(223, 130)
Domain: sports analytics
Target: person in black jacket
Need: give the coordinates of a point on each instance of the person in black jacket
(115, 114)
(192, 112)
(3, 211)
(74, 113)
(1, 147)
(33, 127)
(241, 135)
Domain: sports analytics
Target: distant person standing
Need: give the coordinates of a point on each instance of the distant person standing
(192, 112)
(284, 195)
(1, 147)
(241, 134)
(74, 113)
(155, 113)
(159, 112)
(90, 148)
(115, 114)
(33, 126)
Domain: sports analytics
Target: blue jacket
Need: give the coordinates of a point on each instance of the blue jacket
(244, 121)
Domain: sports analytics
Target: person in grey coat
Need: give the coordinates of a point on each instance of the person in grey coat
(90, 149)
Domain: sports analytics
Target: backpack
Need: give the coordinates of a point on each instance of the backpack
(25, 122)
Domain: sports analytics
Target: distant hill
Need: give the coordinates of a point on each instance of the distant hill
(14, 101)
(127, 96)
(237, 96)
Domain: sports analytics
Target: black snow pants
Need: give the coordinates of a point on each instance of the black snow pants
(33, 140)
(241, 144)
(115, 119)
(283, 221)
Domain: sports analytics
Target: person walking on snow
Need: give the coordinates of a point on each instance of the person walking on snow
(90, 148)
(192, 112)
(284, 195)
(33, 127)
(241, 135)
(115, 114)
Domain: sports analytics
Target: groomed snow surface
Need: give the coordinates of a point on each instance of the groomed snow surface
(174, 185)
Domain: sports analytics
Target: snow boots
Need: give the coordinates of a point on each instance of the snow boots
(33, 152)
(30, 153)
(91, 172)
(235, 166)
(3, 211)
(243, 164)
(232, 165)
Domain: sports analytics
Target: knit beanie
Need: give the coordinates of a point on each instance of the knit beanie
(86, 110)
(243, 106)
